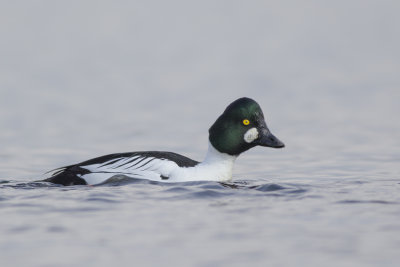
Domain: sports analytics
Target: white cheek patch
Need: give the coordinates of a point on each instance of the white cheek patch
(251, 135)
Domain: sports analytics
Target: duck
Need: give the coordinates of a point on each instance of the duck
(239, 128)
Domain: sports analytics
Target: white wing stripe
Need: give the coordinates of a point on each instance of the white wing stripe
(112, 161)
(122, 162)
(136, 167)
(135, 162)
(143, 164)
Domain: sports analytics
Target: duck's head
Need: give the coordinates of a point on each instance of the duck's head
(241, 127)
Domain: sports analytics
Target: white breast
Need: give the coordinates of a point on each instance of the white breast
(216, 166)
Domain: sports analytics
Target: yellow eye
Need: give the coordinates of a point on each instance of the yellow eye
(246, 122)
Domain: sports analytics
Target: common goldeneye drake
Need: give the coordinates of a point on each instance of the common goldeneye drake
(240, 127)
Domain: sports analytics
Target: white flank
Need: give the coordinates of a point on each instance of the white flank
(149, 168)
(251, 135)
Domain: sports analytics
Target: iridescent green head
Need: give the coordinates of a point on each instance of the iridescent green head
(241, 127)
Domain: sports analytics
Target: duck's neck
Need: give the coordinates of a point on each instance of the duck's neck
(213, 156)
(219, 165)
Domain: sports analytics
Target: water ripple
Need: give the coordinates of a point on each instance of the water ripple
(188, 190)
(353, 201)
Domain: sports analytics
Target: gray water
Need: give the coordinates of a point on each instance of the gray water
(80, 80)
